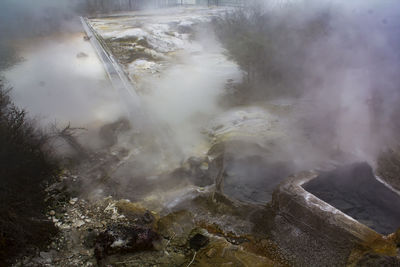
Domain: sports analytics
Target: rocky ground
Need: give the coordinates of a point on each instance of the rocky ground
(109, 232)
(201, 227)
(177, 218)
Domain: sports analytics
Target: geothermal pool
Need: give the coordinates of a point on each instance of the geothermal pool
(354, 190)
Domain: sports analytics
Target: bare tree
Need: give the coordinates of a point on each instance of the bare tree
(69, 135)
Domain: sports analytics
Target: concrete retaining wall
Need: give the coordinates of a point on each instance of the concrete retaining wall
(312, 232)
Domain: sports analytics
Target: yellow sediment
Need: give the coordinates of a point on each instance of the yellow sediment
(373, 243)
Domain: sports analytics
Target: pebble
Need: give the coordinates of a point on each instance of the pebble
(65, 226)
(78, 223)
(73, 201)
(98, 225)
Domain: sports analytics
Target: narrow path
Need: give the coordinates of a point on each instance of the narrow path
(116, 75)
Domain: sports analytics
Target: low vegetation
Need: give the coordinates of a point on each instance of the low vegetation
(26, 165)
(271, 51)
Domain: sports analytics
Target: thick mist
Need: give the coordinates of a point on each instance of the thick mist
(185, 96)
(343, 85)
(21, 18)
(347, 88)
(354, 88)
(61, 79)
(326, 72)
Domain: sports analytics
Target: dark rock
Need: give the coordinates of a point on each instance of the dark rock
(197, 174)
(143, 42)
(373, 260)
(147, 217)
(389, 167)
(177, 227)
(198, 241)
(395, 237)
(90, 239)
(109, 132)
(124, 239)
(247, 171)
(185, 29)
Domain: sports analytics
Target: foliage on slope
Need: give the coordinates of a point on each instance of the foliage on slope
(26, 164)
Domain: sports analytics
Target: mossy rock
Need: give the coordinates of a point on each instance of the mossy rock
(137, 213)
(219, 252)
(177, 227)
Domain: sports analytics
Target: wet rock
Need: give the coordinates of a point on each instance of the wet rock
(109, 132)
(198, 241)
(177, 227)
(124, 239)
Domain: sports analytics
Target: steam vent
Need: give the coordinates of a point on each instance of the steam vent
(200, 133)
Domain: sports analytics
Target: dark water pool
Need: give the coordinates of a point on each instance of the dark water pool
(354, 190)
